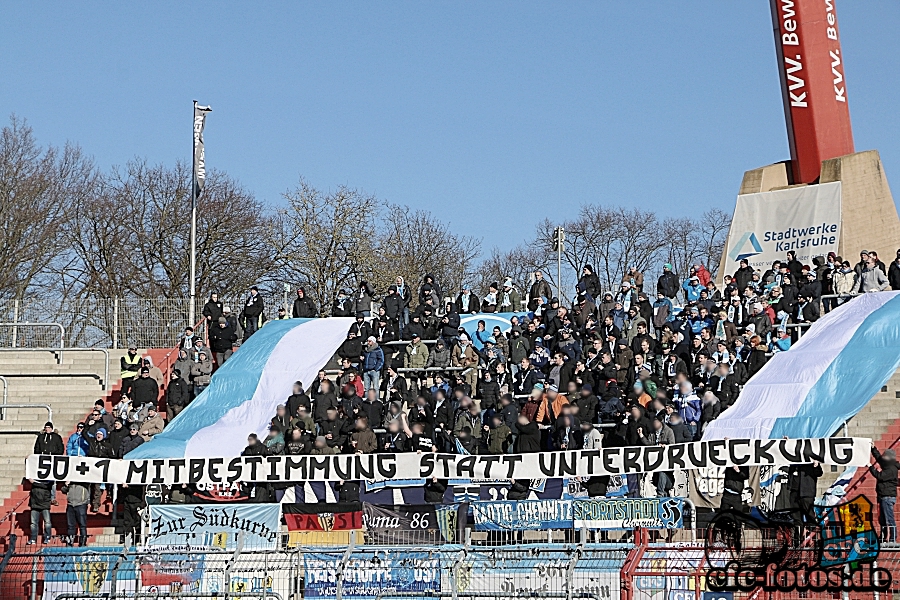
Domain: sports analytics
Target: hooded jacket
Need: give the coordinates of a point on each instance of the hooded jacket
(304, 308)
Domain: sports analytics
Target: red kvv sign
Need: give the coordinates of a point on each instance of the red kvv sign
(812, 83)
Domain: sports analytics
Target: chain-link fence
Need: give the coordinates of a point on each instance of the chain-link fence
(106, 322)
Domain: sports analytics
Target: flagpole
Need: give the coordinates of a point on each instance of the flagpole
(191, 309)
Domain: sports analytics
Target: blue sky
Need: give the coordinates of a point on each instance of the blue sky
(491, 115)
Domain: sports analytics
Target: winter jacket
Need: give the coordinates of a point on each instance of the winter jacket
(212, 310)
(151, 426)
(466, 306)
(144, 390)
(77, 445)
(49, 443)
(845, 283)
(416, 355)
(304, 308)
(439, 356)
(221, 339)
(691, 291)
(177, 394)
(886, 477)
(464, 357)
(667, 284)
(129, 443)
(373, 359)
(253, 307)
(201, 373)
(529, 439)
(688, 407)
(39, 499)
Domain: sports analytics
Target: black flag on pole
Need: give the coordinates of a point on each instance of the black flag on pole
(199, 154)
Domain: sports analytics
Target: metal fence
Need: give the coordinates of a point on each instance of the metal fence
(636, 570)
(105, 322)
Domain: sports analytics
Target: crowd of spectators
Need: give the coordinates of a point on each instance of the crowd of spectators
(619, 367)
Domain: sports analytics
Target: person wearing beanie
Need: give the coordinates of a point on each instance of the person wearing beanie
(99, 447)
(49, 442)
(667, 284)
(222, 337)
(178, 395)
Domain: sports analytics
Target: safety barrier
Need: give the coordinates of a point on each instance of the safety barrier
(612, 571)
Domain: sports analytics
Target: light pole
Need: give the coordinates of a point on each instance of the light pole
(559, 237)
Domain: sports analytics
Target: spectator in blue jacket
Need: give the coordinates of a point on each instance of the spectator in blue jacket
(77, 445)
(372, 364)
(692, 288)
(688, 404)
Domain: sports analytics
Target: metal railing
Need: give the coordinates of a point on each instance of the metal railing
(16, 325)
(58, 353)
(46, 407)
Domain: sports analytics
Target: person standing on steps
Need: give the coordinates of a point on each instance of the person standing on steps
(886, 491)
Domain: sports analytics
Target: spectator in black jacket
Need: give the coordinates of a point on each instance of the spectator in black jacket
(130, 441)
(334, 429)
(221, 340)
(252, 317)
(39, 503)
(299, 398)
(802, 481)
(886, 491)
(144, 390)
(212, 310)
(304, 308)
(435, 489)
(489, 391)
(668, 282)
(48, 441)
(178, 395)
(529, 438)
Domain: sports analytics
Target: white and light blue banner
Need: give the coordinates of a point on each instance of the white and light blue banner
(842, 361)
(368, 575)
(518, 515)
(767, 225)
(244, 393)
(214, 526)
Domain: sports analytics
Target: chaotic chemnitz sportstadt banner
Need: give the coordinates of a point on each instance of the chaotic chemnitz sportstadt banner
(767, 225)
(627, 513)
(214, 526)
(540, 465)
(370, 575)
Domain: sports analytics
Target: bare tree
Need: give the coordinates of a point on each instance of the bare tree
(414, 242)
(519, 264)
(326, 241)
(37, 189)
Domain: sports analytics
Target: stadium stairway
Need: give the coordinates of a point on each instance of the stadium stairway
(878, 420)
(70, 388)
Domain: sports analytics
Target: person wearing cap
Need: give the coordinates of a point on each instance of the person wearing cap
(77, 445)
(415, 355)
(201, 373)
(692, 288)
(49, 442)
(152, 425)
(212, 310)
(99, 447)
(304, 307)
(467, 303)
(178, 395)
(465, 356)
(508, 299)
(144, 390)
(130, 367)
(872, 278)
(222, 338)
(117, 434)
(372, 364)
(131, 441)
